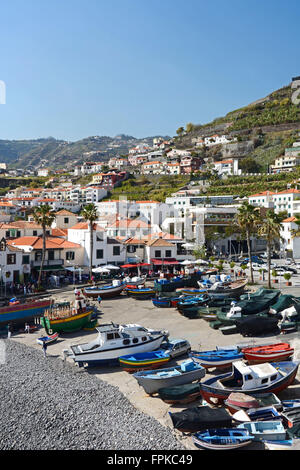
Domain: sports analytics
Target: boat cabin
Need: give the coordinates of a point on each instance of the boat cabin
(250, 377)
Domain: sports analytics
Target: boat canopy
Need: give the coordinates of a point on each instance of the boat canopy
(254, 376)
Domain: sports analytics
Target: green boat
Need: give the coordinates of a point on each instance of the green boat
(66, 318)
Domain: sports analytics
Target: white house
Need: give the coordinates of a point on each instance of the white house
(289, 244)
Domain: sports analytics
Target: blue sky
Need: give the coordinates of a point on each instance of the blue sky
(140, 67)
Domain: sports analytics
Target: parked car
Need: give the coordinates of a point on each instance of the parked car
(255, 259)
(176, 347)
(258, 266)
(286, 269)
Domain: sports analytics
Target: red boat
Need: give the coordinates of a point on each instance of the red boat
(269, 352)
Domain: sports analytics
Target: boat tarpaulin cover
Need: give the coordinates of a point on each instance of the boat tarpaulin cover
(256, 325)
(179, 392)
(200, 418)
(286, 301)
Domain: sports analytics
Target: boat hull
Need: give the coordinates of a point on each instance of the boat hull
(216, 359)
(67, 325)
(19, 312)
(213, 393)
(111, 356)
(270, 353)
(104, 293)
(222, 442)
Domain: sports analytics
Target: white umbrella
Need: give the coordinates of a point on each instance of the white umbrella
(201, 261)
(188, 245)
(111, 266)
(187, 262)
(100, 269)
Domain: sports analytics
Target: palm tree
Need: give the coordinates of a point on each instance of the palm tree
(295, 232)
(247, 220)
(270, 231)
(90, 214)
(44, 216)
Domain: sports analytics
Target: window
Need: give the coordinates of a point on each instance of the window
(18, 233)
(7, 234)
(264, 381)
(66, 220)
(168, 253)
(38, 256)
(51, 254)
(11, 259)
(99, 254)
(70, 255)
(110, 336)
(116, 251)
(25, 259)
(157, 254)
(34, 233)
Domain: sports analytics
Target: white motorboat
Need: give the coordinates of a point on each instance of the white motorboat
(114, 341)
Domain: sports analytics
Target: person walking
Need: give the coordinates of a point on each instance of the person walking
(27, 329)
(9, 330)
(44, 346)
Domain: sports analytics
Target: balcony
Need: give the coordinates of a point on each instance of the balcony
(48, 263)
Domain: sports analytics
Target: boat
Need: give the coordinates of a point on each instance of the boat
(189, 371)
(243, 309)
(168, 285)
(200, 418)
(48, 339)
(262, 292)
(140, 292)
(265, 430)
(66, 317)
(288, 404)
(285, 301)
(113, 341)
(256, 325)
(222, 438)
(268, 353)
(18, 311)
(161, 302)
(218, 358)
(291, 416)
(264, 413)
(221, 289)
(241, 401)
(143, 361)
(134, 281)
(180, 394)
(285, 444)
(258, 378)
(105, 292)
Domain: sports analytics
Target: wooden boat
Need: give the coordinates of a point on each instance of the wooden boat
(265, 430)
(162, 302)
(268, 353)
(143, 361)
(48, 339)
(225, 289)
(189, 371)
(291, 416)
(264, 413)
(201, 418)
(134, 281)
(218, 358)
(191, 301)
(222, 438)
(262, 292)
(241, 401)
(23, 311)
(278, 445)
(105, 292)
(256, 325)
(259, 378)
(288, 404)
(66, 317)
(168, 285)
(141, 293)
(114, 341)
(180, 394)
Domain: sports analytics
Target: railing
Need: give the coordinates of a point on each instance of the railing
(48, 262)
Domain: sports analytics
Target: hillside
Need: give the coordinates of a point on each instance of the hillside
(54, 153)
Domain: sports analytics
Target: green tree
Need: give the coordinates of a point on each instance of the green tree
(247, 220)
(180, 131)
(270, 231)
(295, 232)
(44, 216)
(89, 213)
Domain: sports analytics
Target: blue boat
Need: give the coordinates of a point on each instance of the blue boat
(264, 413)
(142, 361)
(217, 358)
(222, 438)
(166, 285)
(162, 302)
(265, 430)
(23, 311)
(192, 301)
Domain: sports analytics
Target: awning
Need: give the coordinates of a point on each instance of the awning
(164, 262)
(137, 265)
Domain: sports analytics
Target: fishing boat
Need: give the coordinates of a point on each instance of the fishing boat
(141, 293)
(191, 301)
(268, 353)
(18, 311)
(105, 292)
(288, 404)
(284, 302)
(218, 358)
(201, 418)
(114, 341)
(161, 302)
(265, 430)
(222, 438)
(143, 361)
(285, 444)
(221, 289)
(259, 378)
(168, 285)
(180, 394)
(189, 371)
(256, 325)
(241, 401)
(66, 317)
(134, 281)
(291, 416)
(262, 292)
(48, 339)
(264, 413)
